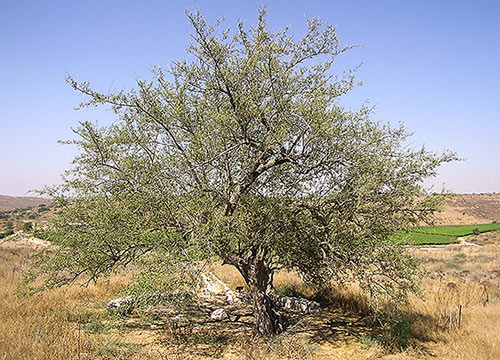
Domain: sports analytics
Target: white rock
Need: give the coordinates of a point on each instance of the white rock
(116, 303)
(219, 315)
(231, 297)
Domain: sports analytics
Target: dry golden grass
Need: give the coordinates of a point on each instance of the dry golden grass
(45, 326)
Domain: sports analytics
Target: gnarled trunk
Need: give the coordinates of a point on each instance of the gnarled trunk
(267, 320)
(258, 277)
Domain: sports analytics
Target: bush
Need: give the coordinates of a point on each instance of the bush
(48, 236)
(399, 333)
(6, 233)
(28, 226)
(396, 336)
(9, 225)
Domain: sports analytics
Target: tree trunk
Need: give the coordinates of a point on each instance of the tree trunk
(258, 277)
(267, 320)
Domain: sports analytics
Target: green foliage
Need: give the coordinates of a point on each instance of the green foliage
(398, 333)
(94, 328)
(243, 151)
(6, 233)
(27, 226)
(56, 238)
(369, 341)
(112, 346)
(9, 225)
(42, 209)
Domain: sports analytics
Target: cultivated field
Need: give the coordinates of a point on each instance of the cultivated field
(446, 234)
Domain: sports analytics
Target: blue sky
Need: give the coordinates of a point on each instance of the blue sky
(434, 65)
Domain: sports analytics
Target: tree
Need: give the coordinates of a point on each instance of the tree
(9, 225)
(27, 226)
(244, 151)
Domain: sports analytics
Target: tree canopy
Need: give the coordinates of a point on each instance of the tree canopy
(244, 152)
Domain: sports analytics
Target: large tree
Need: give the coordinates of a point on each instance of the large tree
(244, 151)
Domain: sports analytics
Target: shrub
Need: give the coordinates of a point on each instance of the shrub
(28, 226)
(399, 333)
(6, 233)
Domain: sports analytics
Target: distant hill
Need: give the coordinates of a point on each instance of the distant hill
(18, 202)
(470, 209)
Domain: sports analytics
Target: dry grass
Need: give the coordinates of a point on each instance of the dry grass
(45, 326)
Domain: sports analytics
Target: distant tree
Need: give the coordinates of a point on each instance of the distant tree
(28, 226)
(6, 233)
(9, 225)
(243, 151)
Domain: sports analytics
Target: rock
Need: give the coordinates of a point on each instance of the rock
(233, 297)
(212, 284)
(283, 302)
(293, 303)
(219, 315)
(124, 305)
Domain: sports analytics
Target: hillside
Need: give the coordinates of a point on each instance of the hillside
(470, 209)
(20, 202)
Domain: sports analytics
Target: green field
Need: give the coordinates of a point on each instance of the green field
(445, 234)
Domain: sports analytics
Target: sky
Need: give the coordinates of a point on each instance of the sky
(433, 65)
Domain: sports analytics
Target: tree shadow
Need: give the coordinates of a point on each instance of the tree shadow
(335, 327)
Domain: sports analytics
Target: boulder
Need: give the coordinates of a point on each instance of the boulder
(219, 315)
(234, 297)
(123, 305)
